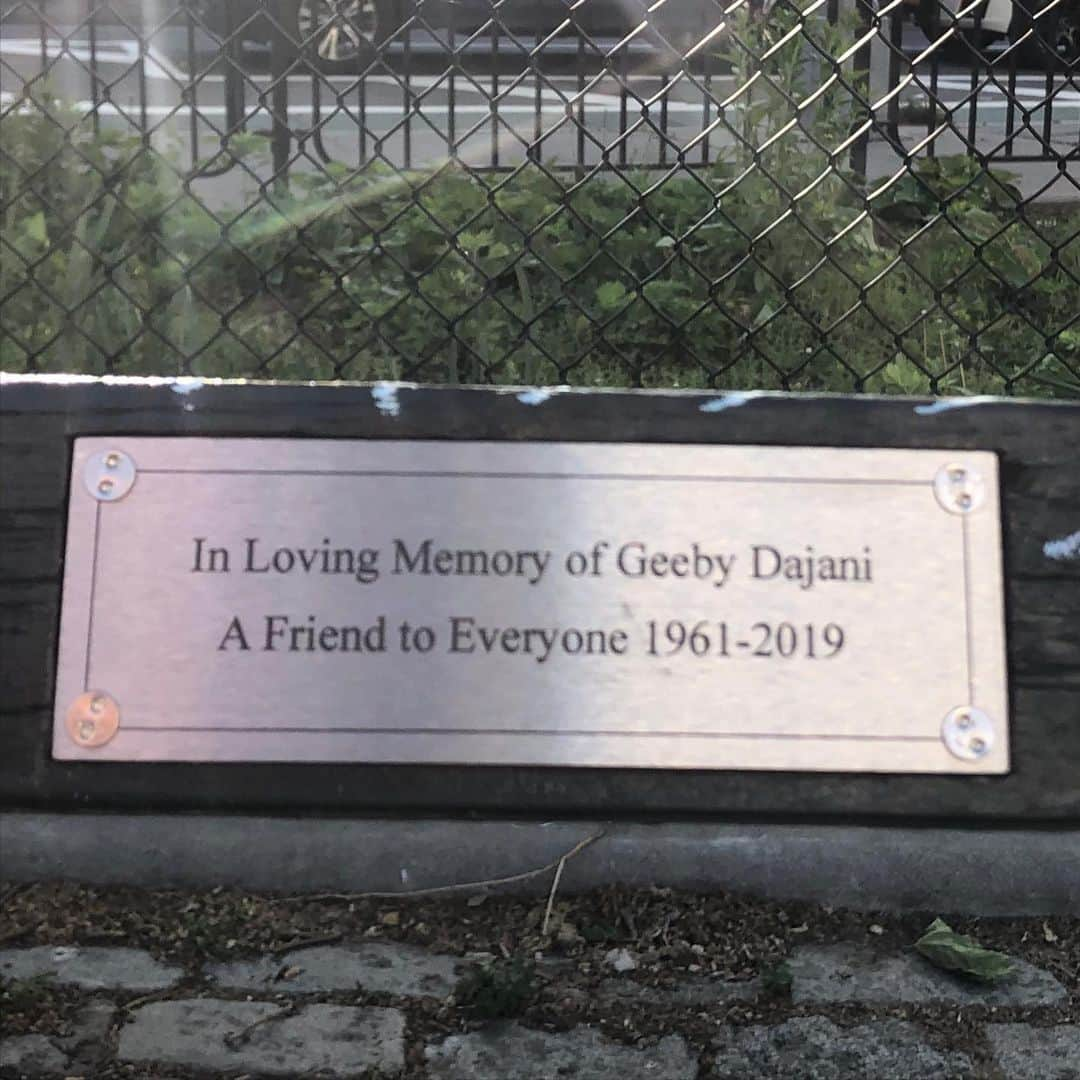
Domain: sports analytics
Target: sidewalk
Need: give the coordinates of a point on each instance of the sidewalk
(614, 984)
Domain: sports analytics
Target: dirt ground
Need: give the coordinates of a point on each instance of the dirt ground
(551, 980)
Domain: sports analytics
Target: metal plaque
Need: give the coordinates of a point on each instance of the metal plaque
(684, 607)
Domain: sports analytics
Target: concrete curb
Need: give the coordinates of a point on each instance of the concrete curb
(986, 872)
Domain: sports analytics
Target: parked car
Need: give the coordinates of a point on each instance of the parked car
(337, 34)
(1054, 26)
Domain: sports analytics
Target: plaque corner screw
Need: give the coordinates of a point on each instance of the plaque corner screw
(959, 488)
(968, 733)
(93, 719)
(109, 475)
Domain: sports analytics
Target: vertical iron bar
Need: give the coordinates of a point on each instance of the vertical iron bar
(896, 45)
(144, 122)
(973, 103)
(580, 159)
(95, 95)
(832, 14)
(706, 98)
(234, 86)
(536, 148)
(664, 82)
(280, 133)
(931, 120)
(43, 34)
(191, 86)
(493, 103)
(862, 74)
(1048, 110)
(451, 89)
(316, 114)
(361, 108)
(1010, 105)
(624, 97)
(406, 97)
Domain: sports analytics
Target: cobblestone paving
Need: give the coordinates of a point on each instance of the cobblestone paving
(268, 1016)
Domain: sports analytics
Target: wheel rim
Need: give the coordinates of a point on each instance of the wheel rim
(338, 30)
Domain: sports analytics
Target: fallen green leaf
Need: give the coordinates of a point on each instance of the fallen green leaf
(947, 949)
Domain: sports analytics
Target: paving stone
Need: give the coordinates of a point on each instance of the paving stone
(1024, 1052)
(91, 968)
(323, 1040)
(378, 967)
(814, 1048)
(846, 973)
(505, 1050)
(88, 1030)
(32, 1055)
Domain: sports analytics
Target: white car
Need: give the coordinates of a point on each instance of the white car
(1045, 32)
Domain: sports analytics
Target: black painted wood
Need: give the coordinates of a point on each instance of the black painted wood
(1039, 449)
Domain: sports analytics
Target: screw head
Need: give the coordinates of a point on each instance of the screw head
(93, 719)
(968, 733)
(958, 489)
(109, 475)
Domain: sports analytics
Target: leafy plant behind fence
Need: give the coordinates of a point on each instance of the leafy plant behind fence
(772, 268)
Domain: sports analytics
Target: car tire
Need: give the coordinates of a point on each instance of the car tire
(341, 36)
(963, 44)
(1058, 35)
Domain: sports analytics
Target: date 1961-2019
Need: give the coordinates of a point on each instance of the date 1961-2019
(706, 638)
(468, 637)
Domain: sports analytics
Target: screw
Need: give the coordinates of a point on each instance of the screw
(105, 485)
(112, 460)
(978, 745)
(958, 489)
(93, 719)
(963, 721)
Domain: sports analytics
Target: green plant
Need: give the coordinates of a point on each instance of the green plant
(496, 990)
(26, 995)
(935, 284)
(776, 979)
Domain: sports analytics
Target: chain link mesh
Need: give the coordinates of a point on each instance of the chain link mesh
(831, 195)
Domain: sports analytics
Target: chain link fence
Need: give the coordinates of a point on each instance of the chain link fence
(802, 194)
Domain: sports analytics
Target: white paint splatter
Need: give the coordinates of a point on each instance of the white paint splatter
(1068, 547)
(404, 876)
(386, 399)
(186, 386)
(728, 401)
(946, 404)
(538, 394)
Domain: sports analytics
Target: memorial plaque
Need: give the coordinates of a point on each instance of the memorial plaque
(660, 606)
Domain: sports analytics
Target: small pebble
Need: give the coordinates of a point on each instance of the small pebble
(621, 960)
